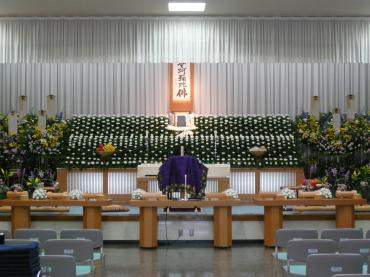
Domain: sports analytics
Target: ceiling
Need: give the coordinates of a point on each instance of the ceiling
(159, 7)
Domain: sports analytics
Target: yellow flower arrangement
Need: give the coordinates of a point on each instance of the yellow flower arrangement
(309, 129)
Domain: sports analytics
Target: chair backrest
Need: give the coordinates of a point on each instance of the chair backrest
(58, 265)
(356, 246)
(299, 250)
(351, 275)
(7, 234)
(283, 236)
(324, 265)
(95, 235)
(81, 250)
(40, 235)
(20, 259)
(342, 234)
(18, 241)
(367, 235)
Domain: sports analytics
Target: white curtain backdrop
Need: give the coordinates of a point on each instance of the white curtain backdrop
(279, 88)
(186, 39)
(100, 88)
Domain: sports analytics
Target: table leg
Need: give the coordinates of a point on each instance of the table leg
(92, 217)
(345, 217)
(273, 220)
(20, 218)
(222, 227)
(148, 227)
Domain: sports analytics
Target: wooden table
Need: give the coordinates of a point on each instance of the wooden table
(20, 211)
(222, 219)
(273, 213)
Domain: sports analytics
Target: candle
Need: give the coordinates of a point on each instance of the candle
(41, 122)
(315, 110)
(186, 195)
(182, 150)
(13, 123)
(336, 119)
(51, 107)
(350, 107)
(22, 106)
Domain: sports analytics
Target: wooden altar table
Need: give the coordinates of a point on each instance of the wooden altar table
(273, 213)
(222, 219)
(20, 211)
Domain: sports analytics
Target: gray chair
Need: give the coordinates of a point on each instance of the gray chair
(16, 241)
(351, 275)
(342, 234)
(356, 246)
(283, 236)
(95, 235)
(58, 265)
(299, 250)
(40, 235)
(81, 249)
(327, 265)
(367, 235)
(7, 234)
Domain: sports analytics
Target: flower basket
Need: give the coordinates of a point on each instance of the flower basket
(105, 155)
(258, 152)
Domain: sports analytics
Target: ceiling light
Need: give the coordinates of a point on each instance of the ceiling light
(186, 7)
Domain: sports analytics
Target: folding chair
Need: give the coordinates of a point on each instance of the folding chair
(356, 246)
(327, 265)
(81, 250)
(40, 235)
(351, 275)
(18, 241)
(283, 236)
(95, 235)
(299, 250)
(342, 234)
(58, 265)
(7, 234)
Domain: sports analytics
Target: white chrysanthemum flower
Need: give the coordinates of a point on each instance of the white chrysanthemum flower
(137, 194)
(325, 193)
(231, 192)
(39, 194)
(288, 193)
(75, 194)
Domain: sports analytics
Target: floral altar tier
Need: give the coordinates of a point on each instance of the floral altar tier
(217, 139)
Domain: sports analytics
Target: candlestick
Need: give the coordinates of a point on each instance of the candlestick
(315, 109)
(22, 105)
(12, 123)
(51, 107)
(336, 119)
(186, 195)
(350, 107)
(41, 122)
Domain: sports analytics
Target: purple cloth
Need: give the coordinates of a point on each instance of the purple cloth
(173, 170)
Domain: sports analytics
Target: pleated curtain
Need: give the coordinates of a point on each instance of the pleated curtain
(185, 39)
(143, 88)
